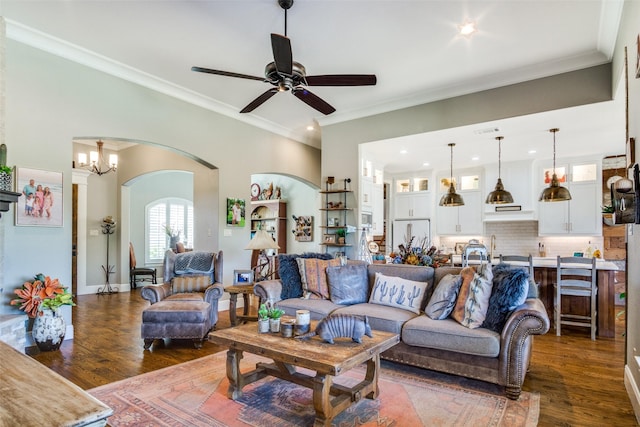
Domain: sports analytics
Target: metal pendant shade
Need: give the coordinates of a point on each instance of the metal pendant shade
(499, 195)
(451, 198)
(554, 192)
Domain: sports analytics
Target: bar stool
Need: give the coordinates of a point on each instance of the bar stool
(519, 261)
(474, 251)
(576, 277)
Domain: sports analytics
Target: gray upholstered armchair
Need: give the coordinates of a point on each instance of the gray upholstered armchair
(190, 276)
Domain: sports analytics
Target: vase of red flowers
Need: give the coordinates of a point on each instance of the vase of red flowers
(41, 299)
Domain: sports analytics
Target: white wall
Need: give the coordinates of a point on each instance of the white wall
(50, 101)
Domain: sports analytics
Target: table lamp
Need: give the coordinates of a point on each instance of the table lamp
(259, 244)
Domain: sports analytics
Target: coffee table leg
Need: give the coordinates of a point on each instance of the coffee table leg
(321, 400)
(233, 374)
(373, 368)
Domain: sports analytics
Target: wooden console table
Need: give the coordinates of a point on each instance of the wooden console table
(22, 378)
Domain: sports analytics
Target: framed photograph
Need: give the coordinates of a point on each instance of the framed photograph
(560, 172)
(329, 238)
(40, 204)
(303, 231)
(460, 247)
(242, 277)
(235, 212)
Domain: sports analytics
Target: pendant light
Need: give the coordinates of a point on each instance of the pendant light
(499, 195)
(554, 192)
(451, 198)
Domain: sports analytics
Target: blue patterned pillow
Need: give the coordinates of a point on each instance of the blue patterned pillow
(510, 289)
(290, 274)
(444, 297)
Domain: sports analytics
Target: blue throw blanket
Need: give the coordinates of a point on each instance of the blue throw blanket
(194, 263)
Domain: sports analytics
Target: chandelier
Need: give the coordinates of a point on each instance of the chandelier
(97, 163)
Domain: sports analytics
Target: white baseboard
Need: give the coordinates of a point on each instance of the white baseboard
(632, 391)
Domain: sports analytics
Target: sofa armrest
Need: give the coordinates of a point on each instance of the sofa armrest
(268, 290)
(213, 292)
(515, 342)
(156, 293)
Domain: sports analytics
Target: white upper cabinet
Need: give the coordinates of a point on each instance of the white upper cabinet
(517, 178)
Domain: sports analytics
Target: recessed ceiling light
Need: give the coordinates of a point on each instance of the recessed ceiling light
(310, 127)
(403, 151)
(467, 28)
(532, 151)
(425, 164)
(475, 158)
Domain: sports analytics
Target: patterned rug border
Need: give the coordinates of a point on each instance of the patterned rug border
(164, 411)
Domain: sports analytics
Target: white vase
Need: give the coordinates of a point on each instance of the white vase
(48, 330)
(274, 325)
(263, 326)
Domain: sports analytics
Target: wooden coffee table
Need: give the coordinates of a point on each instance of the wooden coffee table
(327, 360)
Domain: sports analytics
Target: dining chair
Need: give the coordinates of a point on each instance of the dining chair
(146, 274)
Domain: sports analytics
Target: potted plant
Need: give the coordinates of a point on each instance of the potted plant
(174, 236)
(263, 319)
(40, 299)
(341, 233)
(274, 318)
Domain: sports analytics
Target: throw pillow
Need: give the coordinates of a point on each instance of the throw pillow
(290, 274)
(510, 289)
(398, 292)
(190, 284)
(444, 297)
(313, 275)
(473, 299)
(348, 284)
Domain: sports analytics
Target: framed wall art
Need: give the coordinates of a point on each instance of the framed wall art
(303, 230)
(235, 212)
(40, 204)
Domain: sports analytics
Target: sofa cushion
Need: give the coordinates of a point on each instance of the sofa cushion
(447, 334)
(444, 297)
(182, 284)
(313, 275)
(381, 317)
(348, 284)
(290, 274)
(510, 288)
(473, 298)
(398, 292)
(318, 308)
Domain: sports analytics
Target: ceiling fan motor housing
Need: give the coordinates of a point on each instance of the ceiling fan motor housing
(285, 4)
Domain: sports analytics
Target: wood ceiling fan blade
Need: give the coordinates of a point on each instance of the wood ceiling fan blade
(282, 55)
(259, 100)
(227, 73)
(313, 101)
(342, 80)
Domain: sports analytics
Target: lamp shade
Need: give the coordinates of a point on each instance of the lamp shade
(451, 198)
(554, 192)
(499, 195)
(262, 240)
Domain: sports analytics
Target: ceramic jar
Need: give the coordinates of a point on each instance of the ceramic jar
(48, 330)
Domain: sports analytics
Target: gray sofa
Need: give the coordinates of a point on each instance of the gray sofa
(441, 345)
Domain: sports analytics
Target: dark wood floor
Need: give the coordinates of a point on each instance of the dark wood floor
(580, 381)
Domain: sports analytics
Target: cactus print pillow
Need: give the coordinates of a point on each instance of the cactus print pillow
(397, 292)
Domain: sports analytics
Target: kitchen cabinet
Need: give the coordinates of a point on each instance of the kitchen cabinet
(580, 215)
(517, 178)
(461, 220)
(412, 205)
(372, 200)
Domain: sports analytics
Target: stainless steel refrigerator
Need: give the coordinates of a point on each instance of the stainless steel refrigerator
(403, 229)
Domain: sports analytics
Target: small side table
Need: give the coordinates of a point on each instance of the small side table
(246, 291)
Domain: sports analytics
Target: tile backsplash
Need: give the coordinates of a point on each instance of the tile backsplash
(521, 238)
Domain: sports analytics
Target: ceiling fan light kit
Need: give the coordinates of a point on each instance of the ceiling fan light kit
(451, 198)
(499, 195)
(287, 75)
(554, 192)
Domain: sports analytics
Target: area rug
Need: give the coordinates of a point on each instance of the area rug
(194, 394)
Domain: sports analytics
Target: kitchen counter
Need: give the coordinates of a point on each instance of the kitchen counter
(546, 262)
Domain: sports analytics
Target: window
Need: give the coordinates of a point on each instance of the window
(160, 214)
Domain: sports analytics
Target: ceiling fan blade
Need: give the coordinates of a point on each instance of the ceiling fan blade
(312, 100)
(342, 80)
(226, 73)
(282, 55)
(259, 100)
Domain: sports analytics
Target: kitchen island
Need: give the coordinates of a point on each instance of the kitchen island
(544, 270)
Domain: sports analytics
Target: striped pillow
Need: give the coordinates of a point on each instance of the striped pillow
(190, 284)
(313, 275)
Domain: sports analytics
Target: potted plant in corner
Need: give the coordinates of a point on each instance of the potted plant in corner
(263, 319)
(40, 299)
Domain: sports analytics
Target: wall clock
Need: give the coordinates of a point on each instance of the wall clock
(255, 191)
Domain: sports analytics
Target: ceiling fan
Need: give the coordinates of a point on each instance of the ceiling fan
(285, 74)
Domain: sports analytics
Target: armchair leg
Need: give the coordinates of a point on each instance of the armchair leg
(197, 343)
(147, 343)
